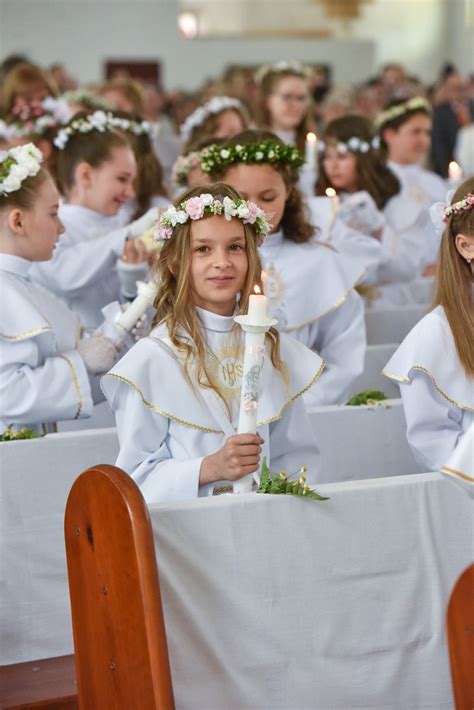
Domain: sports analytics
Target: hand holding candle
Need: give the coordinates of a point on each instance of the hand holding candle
(145, 298)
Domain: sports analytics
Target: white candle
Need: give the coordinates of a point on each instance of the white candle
(146, 296)
(310, 150)
(257, 308)
(455, 174)
(335, 204)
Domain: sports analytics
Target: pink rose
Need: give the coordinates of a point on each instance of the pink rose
(195, 207)
(254, 212)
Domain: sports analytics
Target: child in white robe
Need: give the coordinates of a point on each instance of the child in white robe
(311, 288)
(372, 201)
(45, 366)
(96, 169)
(176, 393)
(434, 366)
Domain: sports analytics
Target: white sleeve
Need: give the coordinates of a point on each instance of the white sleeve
(33, 393)
(433, 424)
(144, 453)
(293, 443)
(340, 339)
(403, 255)
(75, 266)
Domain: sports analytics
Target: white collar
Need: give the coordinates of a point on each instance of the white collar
(85, 214)
(273, 240)
(15, 264)
(288, 137)
(215, 322)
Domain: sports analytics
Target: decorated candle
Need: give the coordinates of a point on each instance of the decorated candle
(455, 174)
(146, 293)
(310, 150)
(335, 204)
(257, 307)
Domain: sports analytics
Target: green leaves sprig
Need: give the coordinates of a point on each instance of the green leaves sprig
(10, 435)
(366, 397)
(281, 484)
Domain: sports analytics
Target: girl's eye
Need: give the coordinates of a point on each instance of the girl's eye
(202, 250)
(268, 199)
(237, 247)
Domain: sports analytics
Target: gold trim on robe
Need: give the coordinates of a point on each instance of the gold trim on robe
(75, 382)
(419, 368)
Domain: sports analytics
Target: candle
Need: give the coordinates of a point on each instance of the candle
(257, 307)
(255, 324)
(310, 150)
(146, 293)
(455, 174)
(335, 204)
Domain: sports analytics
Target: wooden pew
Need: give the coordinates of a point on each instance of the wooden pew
(48, 684)
(119, 633)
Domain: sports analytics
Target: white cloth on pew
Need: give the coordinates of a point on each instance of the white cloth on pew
(35, 479)
(392, 325)
(361, 442)
(277, 602)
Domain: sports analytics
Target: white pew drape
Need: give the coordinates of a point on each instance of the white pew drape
(392, 325)
(277, 602)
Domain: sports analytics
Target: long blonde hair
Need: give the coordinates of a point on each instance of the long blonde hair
(174, 306)
(455, 281)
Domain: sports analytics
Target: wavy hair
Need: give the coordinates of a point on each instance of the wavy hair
(174, 305)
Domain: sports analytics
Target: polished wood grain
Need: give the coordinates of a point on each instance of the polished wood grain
(460, 628)
(119, 632)
(46, 684)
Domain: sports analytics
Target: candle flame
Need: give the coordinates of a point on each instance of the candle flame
(256, 289)
(454, 168)
(330, 192)
(311, 137)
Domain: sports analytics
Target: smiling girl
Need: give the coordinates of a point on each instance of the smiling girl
(176, 393)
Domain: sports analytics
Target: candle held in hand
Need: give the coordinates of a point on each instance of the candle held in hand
(146, 296)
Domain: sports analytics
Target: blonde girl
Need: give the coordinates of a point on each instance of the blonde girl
(176, 394)
(220, 117)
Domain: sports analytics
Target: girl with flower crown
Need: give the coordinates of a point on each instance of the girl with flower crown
(46, 368)
(96, 169)
(372, 202)
(434, 366)
(309, 286)
(220, 117)
(176, 393)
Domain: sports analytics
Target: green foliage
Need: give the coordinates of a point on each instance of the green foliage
(366, 397)
(281, 484)
(10, 435)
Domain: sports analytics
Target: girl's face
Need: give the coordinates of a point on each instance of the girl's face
(229, 124)
(197, 177)
(288, 103)
(263, 185)
(409, 143)
(110, 185)
(37, 230)
(341, 169)
(219, 263)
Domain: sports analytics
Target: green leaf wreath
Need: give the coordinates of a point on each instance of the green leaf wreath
(281, 484)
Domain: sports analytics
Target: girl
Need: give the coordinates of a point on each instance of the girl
(26, 83)
(220, 117)
(176, 394)
(286, 102)
(96, 170)
(434, 366)
(310, 288)
(187, 169)
(351, 164)
(44, 365)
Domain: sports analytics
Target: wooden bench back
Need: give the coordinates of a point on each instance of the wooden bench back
(460, 628)
(119, 632)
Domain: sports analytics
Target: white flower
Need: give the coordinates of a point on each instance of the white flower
(10, 184)
(239, 148)
(181, 216)
(243, 211)
(364, 147)
(271, 154)
(207, 199)
(230, 208)
(353, 143)
(98, 120)
(18, 171)
(258, 155)
(225, 153)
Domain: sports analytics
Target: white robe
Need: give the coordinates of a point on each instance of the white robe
(166, 428)
(43, 378)
(311, 292)
(83, 269)
(437, 395)
(126, 212)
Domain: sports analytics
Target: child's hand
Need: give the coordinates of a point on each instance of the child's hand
(238, 457)
(134, 252)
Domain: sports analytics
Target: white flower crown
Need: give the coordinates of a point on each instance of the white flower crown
(183, 166)
(206, 205)
(214, 105)
(390, 114)
(16, 165)
(281, 67)
(35, 118)
(100, 121)
(354, 144)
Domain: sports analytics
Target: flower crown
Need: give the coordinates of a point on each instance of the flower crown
(35, 118)
(16, 165)
(86, 98)
(216, 157)
(214, 105)
(205, 204)
(390, 114)
(354, 144)
(467, 203)
(183, 166)
(282, 67)
(100, 121)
